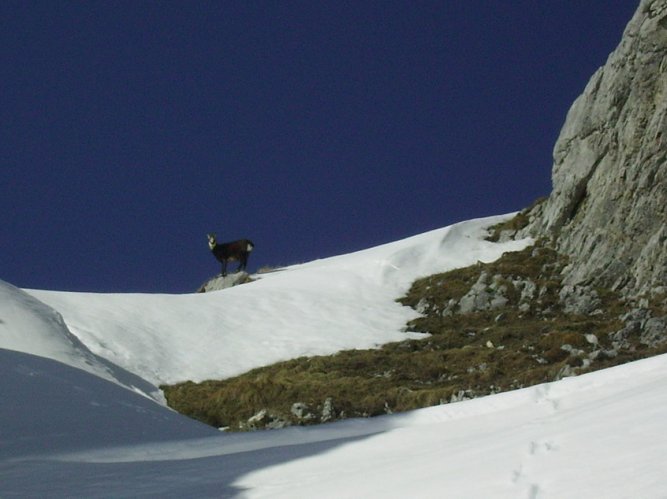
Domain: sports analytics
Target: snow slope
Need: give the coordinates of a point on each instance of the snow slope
(28, 325)
(68, 433)
(316, 308)
(69, 428)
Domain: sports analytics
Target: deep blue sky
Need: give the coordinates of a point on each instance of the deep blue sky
(131, 129)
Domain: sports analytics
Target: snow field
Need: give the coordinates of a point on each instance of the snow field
(76, 370)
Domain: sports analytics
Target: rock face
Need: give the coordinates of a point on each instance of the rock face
(608, 208)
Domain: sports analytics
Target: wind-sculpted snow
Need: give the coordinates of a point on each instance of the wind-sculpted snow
(28, 325)
(315, 308)
(49, 407)
(69, 431)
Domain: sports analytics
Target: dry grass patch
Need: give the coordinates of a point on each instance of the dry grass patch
(528, 341)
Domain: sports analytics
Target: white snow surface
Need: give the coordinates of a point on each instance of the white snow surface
(316, 308)
(74, 423)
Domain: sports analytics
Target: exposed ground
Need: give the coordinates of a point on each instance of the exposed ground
(494, 327)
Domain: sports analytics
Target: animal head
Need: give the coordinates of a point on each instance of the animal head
(211, 240)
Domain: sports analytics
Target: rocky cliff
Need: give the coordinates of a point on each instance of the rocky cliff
(608, 207)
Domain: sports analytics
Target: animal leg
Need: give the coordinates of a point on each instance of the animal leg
(243, 262)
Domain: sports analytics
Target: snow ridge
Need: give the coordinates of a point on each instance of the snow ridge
(317, 308)
(30, 326)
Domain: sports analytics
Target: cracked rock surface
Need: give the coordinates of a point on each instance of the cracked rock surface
(608, 208)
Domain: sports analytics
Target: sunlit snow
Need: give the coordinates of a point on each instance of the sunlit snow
(79, 416)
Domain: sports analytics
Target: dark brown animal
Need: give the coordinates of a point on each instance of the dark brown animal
(232, 251)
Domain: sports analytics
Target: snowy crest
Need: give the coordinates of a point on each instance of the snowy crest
(30, 326)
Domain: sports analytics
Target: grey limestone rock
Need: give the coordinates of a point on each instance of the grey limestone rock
(265, 420)
(328, 410)
(219, 282)
(302, 412)
(608, 207)
(580, 300)
(654, 331)
(486, 294)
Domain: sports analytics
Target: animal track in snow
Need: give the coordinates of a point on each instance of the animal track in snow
(533, 491)
(541, 447)
(542, 397)
(521, 475)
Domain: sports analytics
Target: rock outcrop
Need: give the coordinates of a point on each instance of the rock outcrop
(608, 208)
(223, 282)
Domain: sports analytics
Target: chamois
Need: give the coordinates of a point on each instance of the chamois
(232, 251)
